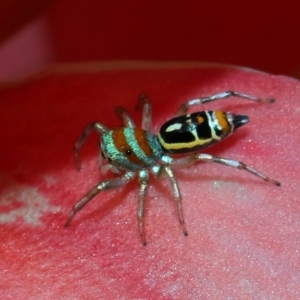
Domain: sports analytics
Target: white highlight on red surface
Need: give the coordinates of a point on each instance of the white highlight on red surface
(25, 202)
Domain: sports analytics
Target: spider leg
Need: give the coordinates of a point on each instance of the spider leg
(99, 128)
(105, 168)
(191, 159)
(176, 192)
(103, 185)
(124, 115)
(145, 103)
(185, 106)
(144, 182)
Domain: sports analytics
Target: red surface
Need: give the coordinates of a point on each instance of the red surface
(243, 238)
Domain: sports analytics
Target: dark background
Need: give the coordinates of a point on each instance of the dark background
(258, 34)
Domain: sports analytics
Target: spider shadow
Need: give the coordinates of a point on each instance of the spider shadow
(108, 203)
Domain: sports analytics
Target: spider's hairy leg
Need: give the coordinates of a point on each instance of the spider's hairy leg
(176, 192)
(101, 186)
(143, 182)
(190, 159)
(223, 95)
(144, 102)
(99, 128)
(124, 115)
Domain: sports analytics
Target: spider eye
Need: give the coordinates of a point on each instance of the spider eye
(128, 152)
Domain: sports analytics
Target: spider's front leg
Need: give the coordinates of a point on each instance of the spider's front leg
(103, 185)
(191, 159)
(145, 103)
(100, 129)
(124, 115)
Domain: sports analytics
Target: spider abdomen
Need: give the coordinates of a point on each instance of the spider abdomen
(198, 130)
(131, 148)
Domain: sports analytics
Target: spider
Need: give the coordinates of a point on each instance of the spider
(132, 151)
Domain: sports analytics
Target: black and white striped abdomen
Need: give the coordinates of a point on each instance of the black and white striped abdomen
(198, 130)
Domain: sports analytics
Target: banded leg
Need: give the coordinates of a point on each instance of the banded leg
(99, 128)
(145, 103)
(191, 159)
(124, 115)
(103, 185)
(108, 167)
(185, 106)
(168, 171)
(144, 182)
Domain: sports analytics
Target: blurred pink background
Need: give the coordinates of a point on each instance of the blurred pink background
(257, 34)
